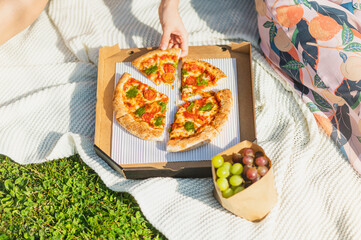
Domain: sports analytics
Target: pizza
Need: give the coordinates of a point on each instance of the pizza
(139, 108)
(160, 66)
(198, 77)
(198, 122)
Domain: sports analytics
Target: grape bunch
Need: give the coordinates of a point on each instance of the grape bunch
(248, 167)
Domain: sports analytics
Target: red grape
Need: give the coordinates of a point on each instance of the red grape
(261, 161)
(245, 169)
(258, 177)
(251, 173)
(237, 158)
(262, 170)
(248, 152)
(247, 160)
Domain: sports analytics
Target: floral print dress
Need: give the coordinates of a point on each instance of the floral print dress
(316, 47)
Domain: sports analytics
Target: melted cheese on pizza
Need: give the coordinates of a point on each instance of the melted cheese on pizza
(161, 68)
(192, 117)
(144, 103)
(195, 79)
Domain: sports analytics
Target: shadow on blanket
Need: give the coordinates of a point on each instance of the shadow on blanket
(222, 16)
(122, 17)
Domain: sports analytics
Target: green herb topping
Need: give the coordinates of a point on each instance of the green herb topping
(140, 111)
(163, 106)
(201, 81)
(206, 107)
(132, 92)
(184, 72)
(190, 107)
(189, 126)
(151, 69)
(175, 65)
(158, 121)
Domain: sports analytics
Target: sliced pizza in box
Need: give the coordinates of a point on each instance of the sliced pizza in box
(198, 77)
(198, 122)
(160, 66)
(139, 108)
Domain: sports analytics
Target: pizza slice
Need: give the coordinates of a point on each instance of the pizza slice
(198, 122)
(160, 66)
(198, 77)
(139, 108)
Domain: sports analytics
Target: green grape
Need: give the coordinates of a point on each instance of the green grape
(227, 193)
(217, 161)
(222, 172)
(237, 169)
(222, 183)
(238, 189)
(228, 165)
(236, 180)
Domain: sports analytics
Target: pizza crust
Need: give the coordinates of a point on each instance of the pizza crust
(118, 105)
(138, 61)
(218, 73)
(140, 129)
(225, 100)
(126, 120)
(185, 144)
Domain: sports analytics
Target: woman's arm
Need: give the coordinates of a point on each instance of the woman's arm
(16, 15)
(174, 32)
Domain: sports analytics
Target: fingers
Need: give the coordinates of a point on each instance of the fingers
(165, 40)
(184, 46)
(171, 43)
(174, 41)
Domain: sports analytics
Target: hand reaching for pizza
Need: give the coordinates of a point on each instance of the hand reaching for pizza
(174, 33)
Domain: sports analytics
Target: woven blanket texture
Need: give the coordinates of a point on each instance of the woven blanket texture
(48, 77)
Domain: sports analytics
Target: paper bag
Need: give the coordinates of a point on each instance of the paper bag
(257, 200)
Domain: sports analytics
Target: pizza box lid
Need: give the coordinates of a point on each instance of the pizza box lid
(109, 56)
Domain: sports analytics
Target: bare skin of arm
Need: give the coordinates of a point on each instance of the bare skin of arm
(17, 15)
(174, 33)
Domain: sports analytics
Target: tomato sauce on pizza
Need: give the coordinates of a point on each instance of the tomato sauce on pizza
(144, 103)
(159, 66)
(198, 77)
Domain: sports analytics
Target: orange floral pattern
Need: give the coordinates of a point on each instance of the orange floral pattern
(317, 47)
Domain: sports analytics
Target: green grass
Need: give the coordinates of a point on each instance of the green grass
(65, 199)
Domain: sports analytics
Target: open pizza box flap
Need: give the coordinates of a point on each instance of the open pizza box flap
(109, 56)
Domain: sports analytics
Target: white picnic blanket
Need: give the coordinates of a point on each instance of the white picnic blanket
(48, 79)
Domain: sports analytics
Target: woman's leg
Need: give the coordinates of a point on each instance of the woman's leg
(316, 47)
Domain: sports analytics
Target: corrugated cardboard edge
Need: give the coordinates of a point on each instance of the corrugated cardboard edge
(100, 138)
(108, 56)
(257, 200)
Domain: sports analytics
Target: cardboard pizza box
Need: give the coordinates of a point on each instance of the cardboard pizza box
(109, 56)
